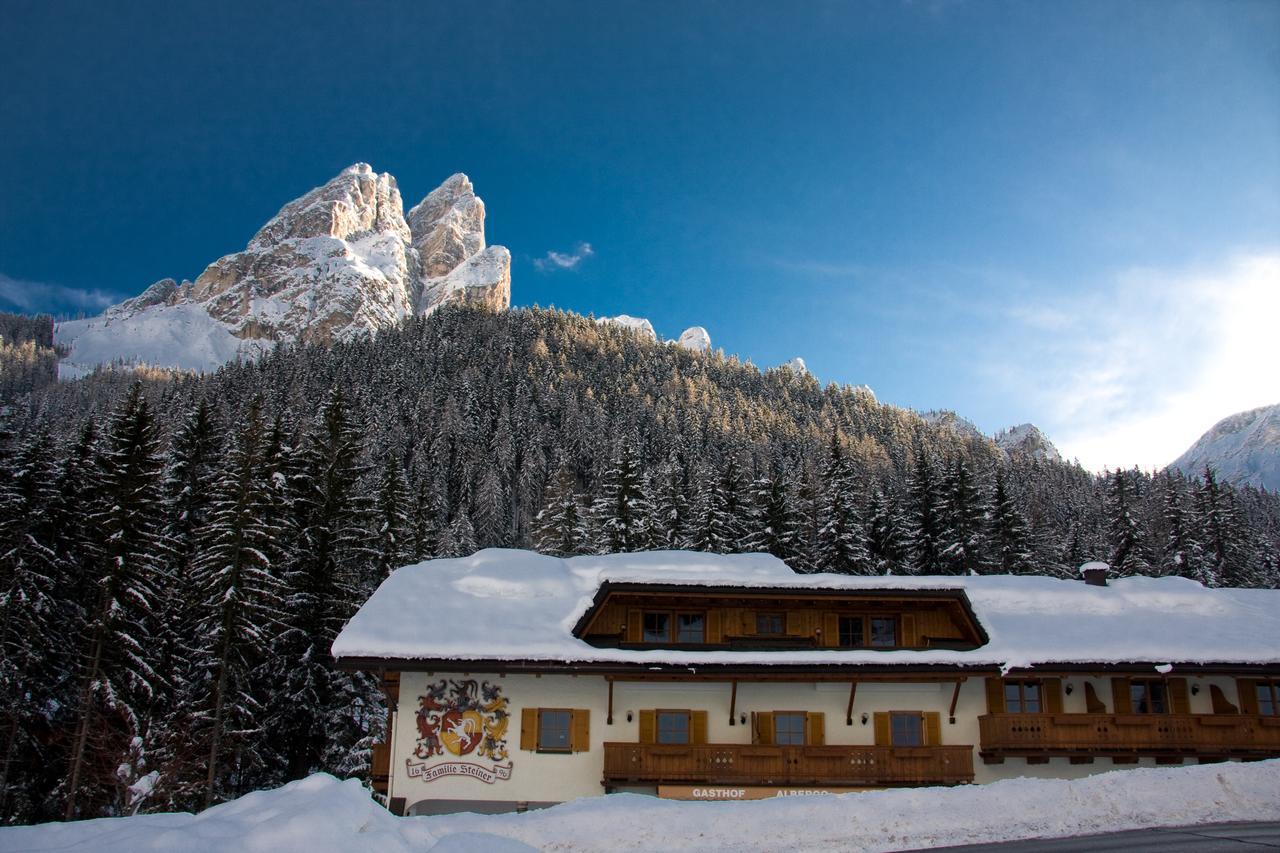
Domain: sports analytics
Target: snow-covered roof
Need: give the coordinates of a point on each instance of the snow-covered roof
(508, 605)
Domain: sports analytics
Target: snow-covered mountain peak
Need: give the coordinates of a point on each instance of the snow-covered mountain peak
(695, 338)
(1243, 449)
(639, 325)
(338, 262)
(1029, 440)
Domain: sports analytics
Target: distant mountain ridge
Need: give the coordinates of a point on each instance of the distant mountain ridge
(1243, 449)
(1023, 439)
(340, 261)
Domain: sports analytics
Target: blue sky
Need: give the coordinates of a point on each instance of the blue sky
(1060, 213)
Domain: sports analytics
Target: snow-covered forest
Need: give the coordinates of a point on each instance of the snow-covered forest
(177, 553)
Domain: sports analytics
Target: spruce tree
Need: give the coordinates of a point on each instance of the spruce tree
(774, 525)
(1009, 533)
(887, 543)
(964, 520)
(1129, 554)
(841, 538)
(239, 603)
(128, 552)
(622, 511)
(711, 526)
(924, 530)
(561, 527)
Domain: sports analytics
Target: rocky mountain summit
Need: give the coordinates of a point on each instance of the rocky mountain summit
(341, 261)
(1243, 449)
(1029, 440)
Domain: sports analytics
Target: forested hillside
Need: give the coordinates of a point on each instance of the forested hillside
(28, 358)
(179, 552)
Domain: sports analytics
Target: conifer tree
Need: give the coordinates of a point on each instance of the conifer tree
(31, 615)
(1219, 532)
(774, 524)
(924, 531)
(1009, 533)
(561, 529)
(621, 512)
(128, 553)
(887, 543)
(964, 516)
(711, 527)
(239, 602)
(1129, 555)
(394, 529)
(841, 545)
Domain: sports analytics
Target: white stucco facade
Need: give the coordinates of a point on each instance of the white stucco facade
(537, 778)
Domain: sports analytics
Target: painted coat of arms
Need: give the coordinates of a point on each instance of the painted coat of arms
(462, 719)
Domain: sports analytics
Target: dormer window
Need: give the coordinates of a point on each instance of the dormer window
(667, 627)
(770, 624)
(657, 627)
(878, 632)
(690, 628)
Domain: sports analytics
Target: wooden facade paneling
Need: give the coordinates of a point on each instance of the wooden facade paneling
(627, 763)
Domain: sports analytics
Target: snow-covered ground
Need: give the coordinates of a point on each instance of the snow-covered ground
(322, 814)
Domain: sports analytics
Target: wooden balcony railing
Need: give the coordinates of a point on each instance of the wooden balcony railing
(1114, 735)
(380, 767)
(787, 765)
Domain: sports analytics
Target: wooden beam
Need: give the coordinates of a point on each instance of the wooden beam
(733, 702)
(608, 720)
(955, 697)
(848, 711)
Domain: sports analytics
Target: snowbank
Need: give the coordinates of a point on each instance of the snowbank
(517, 605)
(321, 814)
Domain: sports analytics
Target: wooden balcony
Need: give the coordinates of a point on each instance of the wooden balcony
(1173, 736)
(628, 763)
(380, 767)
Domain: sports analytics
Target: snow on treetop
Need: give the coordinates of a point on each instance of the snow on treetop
(517, 605)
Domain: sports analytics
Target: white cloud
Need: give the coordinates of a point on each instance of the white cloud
(564, 261)
(1135, 372)
(32, 296)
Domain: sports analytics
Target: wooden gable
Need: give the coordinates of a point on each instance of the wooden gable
(782, 619)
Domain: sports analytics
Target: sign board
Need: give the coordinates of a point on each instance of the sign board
(461, 719)
(746, 792)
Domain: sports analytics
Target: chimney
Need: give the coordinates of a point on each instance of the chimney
(1095, 573)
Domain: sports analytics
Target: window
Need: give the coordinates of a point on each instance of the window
(906, 729)
(1148, 697)
(657, 627)
(1022, 697)
(673, 726)
(884, 632)
(851, 632)
(689, 628)
(1268, 700)
(769, 623)
(554, 727)
(789, 728)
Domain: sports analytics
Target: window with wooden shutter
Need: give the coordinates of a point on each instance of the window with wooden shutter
(715, 631)
(1260, 696)
(697, 727)
(795, 623)
(529, 728)
(1051, 693)
(1179, 700)
(762, 727)
(581, 737)
(1120, 696)
(884, 736)
(995, 695)
(789, 728)
(815, 729)
(932, 728)
(674, 727)
(648, 726)
(906, 728)
(831, 629)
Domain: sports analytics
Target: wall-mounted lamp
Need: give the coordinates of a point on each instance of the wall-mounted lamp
(865, 717)
(742, 718)
(1069, 688)
(1195, 689)
(628, 716)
